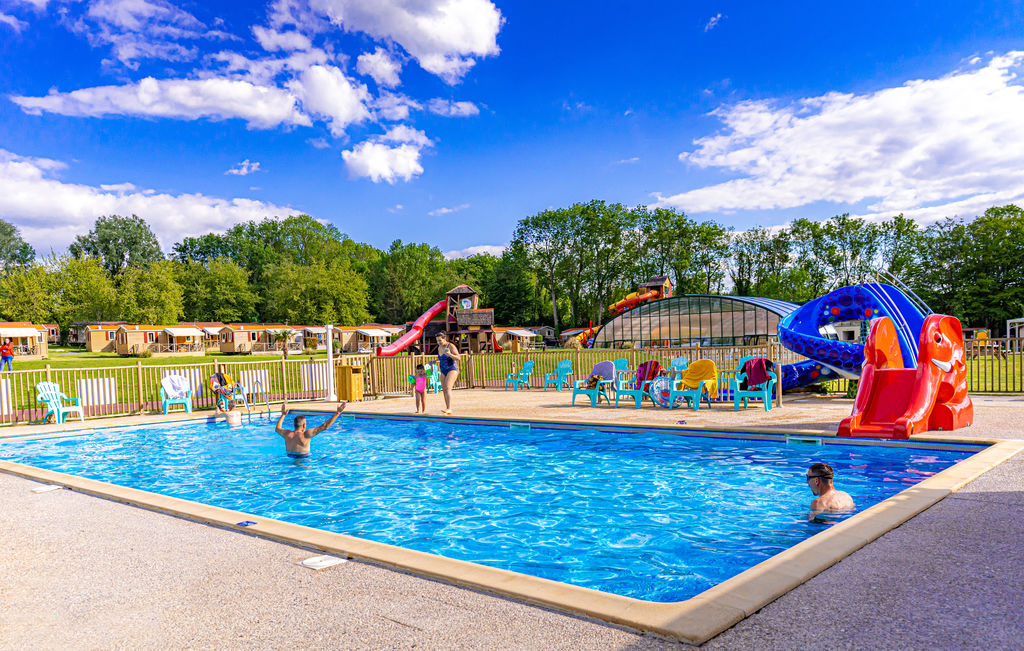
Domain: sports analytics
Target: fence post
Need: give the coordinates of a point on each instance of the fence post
(284, 378)
(48, 378)
(138, 378)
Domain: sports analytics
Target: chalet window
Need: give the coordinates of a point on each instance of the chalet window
(150, 337)
(253, 336)
(110, 335)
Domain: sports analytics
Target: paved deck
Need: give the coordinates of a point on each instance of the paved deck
(83, 572)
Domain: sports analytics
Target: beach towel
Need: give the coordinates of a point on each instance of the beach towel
(756, 371)
(175, 386)
(646, 372)
(702, 369)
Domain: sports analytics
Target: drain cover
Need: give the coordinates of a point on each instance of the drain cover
(322, 562)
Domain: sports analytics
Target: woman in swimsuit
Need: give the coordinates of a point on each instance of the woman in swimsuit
(448, 361)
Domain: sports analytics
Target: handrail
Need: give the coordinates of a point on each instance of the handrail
(266, 401)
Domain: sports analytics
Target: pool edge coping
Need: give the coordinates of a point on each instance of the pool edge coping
(694, 620)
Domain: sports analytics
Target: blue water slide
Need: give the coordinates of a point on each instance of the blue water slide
(801, 331)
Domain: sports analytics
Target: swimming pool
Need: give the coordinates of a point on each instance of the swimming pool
(643, 514)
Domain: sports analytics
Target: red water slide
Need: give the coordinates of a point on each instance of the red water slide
(414, 333)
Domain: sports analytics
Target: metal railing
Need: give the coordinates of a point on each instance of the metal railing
(188, 347)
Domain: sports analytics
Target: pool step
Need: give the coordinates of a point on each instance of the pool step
(805, 440)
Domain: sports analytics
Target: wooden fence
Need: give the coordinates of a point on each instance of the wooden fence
(124, 390)
(994, 366)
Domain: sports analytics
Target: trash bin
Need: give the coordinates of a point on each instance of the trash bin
(350, 383)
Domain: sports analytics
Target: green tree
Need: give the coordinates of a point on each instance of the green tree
(319, 293)
(511, 289)
(121, 243)
(150, 294)
(545, 238)
(900, 247)
(82, 291)
(406, 280)
(218, 290)
(14, 251)
(25, 294)
(475, 270)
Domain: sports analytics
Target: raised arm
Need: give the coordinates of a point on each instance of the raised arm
(280, 421)
(330, 421)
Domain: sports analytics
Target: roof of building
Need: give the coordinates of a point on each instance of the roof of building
(20, 329)
(99, 327)
(373, 332)
(138, 327)
(462, 289)
(184, 331)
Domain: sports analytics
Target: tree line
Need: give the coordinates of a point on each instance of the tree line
(563, 267)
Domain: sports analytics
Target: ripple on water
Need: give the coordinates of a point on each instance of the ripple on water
(645, 515)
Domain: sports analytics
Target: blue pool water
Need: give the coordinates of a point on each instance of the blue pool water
(642, 514)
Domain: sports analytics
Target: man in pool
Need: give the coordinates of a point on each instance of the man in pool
(829, 500)
(296, 441)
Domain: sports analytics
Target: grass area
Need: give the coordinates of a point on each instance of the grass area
(79, 358)
(992, 374)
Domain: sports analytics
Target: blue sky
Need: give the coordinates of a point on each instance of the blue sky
(447, 121)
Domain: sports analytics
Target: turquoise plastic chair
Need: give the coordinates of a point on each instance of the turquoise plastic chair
(522, 377)
(50, 394)
(605, 370)
(167, 402)
(624, 381)
(433, 377)
(560, 376)
(764, 391)
(621, 364)
(679, 364)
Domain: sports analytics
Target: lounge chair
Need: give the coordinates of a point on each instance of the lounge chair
(636, 385)
(679, 364)
(50, 394)
(175, 390)
(764, 391)
(699, 380)
(560, 376)
(606, 370)
(522, 377)
(433, 377)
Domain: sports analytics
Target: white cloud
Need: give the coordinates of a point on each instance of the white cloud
(381, 66)
(928, 148)
(319, 143)
(380, 162)
(397, 208)
(219, 99)
(447, 211)
(452, 109)
(244, 168)
(273, 40)
(444, 36)
(139, 29)
(263, 71)
(713, 22)
(476, 250)
(627, 161)
(327, 92)
(404, 133)
(50, 213)
(391, 106)
(12, 22)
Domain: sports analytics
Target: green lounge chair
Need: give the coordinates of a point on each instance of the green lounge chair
(607, 371)
(522, 377)
(560, 376)
(175, 390)
(50, 394)
(765, 391)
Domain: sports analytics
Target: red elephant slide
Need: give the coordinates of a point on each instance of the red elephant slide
(895, 402)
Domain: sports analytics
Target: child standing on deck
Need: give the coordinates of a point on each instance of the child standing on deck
(420, 389)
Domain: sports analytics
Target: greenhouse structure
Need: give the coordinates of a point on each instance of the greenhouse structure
(692, 320)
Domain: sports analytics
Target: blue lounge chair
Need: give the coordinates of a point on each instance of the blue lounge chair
(175, 390)
(433, 377)
(522, 377)
(560, 376)
(607, 372)
(50, 394)
(624, 388)
(765, 391)
(699, 380)
(679, 364)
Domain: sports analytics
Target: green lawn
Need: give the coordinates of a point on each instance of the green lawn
(78, 358)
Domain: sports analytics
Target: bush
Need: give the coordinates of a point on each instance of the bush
(310, 351)
(145, 353)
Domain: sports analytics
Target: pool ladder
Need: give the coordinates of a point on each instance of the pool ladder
(258, 384)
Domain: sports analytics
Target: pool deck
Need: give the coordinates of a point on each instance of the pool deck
(85, 572)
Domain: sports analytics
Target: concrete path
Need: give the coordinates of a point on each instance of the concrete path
(82, 572)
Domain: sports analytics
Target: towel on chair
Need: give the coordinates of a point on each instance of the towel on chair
(756, 371)
(176, 386)
(701, 370)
